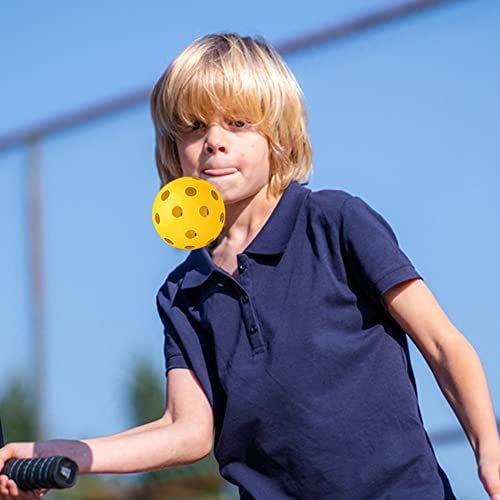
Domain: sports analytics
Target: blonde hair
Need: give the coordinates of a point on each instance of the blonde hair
(238, 78)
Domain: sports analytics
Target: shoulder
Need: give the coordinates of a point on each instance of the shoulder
(330, 205)
(343, 207)
(168, 290)
(329, 197)
(346, 216)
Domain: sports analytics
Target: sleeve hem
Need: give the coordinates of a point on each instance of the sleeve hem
(399, 275)
(176, 361)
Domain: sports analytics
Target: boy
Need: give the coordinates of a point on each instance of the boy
(287, 335)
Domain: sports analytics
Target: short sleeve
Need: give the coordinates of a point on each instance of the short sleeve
(172, 347)
(371, 250)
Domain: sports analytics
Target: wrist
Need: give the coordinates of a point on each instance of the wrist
(487, 448)
(77, 451)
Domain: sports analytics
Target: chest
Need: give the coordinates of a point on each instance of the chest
(292, 341)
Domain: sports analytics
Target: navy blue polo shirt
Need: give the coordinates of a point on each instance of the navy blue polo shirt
(308, 374)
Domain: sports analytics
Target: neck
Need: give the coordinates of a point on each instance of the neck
(245, 218)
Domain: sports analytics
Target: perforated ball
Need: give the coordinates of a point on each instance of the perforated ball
(188, 213)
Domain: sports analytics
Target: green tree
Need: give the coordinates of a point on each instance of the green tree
(17, 411)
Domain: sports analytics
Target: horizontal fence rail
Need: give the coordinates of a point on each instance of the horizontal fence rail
(294, 45)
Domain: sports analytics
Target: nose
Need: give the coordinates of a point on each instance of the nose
(215, 140)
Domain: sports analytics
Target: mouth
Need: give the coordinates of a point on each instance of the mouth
(219, 172)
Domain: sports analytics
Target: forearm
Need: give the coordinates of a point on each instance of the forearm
(462, 380)
(136, 430)
(155, 447)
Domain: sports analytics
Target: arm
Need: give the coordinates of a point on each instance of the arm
(182, 436)
(457, 369)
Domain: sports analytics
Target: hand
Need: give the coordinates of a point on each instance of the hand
(16, 450)
(489, 471)
(9, 489)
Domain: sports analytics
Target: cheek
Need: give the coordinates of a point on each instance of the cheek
(182, 155)
(259, 148)
(187, 153)
(263, 151)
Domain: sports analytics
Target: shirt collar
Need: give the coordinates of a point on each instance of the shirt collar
(271, 239)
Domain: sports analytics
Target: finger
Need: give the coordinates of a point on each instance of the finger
(3, 487)
(13, 490)
(3, 482)
(33, 494)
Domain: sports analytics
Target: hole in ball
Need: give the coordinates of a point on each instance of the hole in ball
(190, 234)
(157, 218)
(222, 217)
(177, 211)
(165, 195)
(215, 196)
(189, 247)
(169, 241)
(204, 211)
(190, 191)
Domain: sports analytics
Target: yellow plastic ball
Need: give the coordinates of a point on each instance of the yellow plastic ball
(188, 213)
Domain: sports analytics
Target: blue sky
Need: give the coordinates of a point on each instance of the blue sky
(406, 116)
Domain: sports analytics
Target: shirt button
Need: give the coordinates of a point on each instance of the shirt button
(244, 299)
(253, 330)
(242, 267)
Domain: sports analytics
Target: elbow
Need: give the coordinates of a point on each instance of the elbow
(202, 443)
(449, 352)
(195, 442)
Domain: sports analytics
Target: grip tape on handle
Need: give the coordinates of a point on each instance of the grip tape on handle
(46, 472)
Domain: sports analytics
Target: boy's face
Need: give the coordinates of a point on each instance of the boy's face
(232, 156)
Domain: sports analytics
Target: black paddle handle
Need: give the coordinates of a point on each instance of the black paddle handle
(36, 473)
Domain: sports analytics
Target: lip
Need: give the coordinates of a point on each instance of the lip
(218, 172)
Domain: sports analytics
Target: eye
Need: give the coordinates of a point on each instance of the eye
(196, 125)
(239, 123)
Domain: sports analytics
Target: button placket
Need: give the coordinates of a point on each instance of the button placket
(249, 316)
(242, 268)
(251, 325)
(256, 341)
(254, 333)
